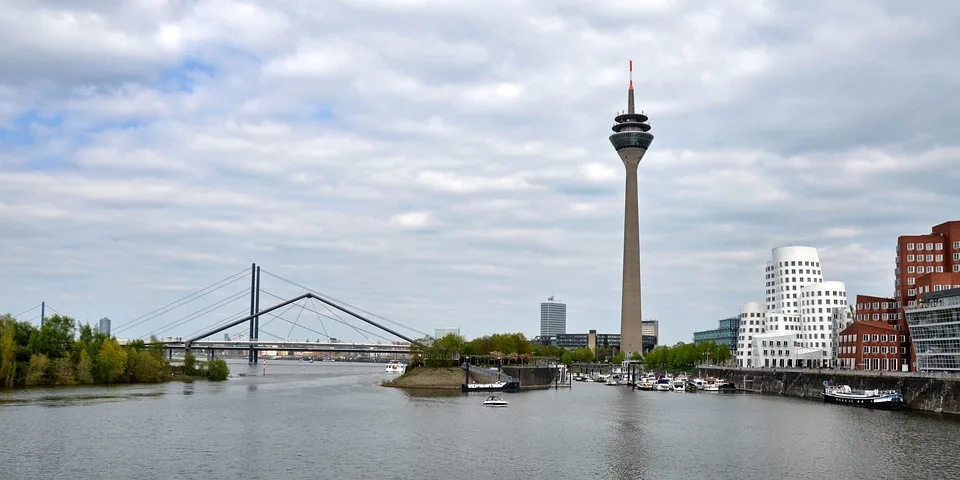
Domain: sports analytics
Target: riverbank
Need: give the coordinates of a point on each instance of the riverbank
(930, 394)
(434, 378)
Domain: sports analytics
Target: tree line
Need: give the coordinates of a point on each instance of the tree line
(63, 352)
(505, 349)
(688, 355)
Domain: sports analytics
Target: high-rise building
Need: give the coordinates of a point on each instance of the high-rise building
(104, 327)
(924, 263)
(553, 317)
(443, 332)
(796, 328)
(631, 139)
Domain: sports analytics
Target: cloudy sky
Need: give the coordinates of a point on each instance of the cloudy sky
(446, 164)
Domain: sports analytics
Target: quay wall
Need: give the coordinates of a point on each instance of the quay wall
(532, 377)
(932, 394)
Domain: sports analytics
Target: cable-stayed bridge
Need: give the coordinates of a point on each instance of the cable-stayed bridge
(248, 316)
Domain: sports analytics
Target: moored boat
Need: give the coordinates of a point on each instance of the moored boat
(844, 395)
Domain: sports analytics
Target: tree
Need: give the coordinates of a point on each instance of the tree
(567, 358)
(37, 369)
(62, 371)
(84, 373)
(111, 362)
(636, 357)
(55, 337)
(619, 358)
(189, 364)
(8, 350)
(217, 370)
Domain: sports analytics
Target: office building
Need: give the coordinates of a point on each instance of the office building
(443, 332)
(104, 326)
(934, 323)
(553, 317)
(725, 334)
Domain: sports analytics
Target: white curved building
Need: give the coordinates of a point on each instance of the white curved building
(752, 317)
(799, 319)
(791, 269)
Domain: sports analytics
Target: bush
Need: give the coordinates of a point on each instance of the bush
(37, 370)
(217, 370)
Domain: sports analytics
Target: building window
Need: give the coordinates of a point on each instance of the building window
(910, 246)
(910, 269)
(939, 258)
(929, 246)
(911, 281)
(883, 338)
(929, 258)
(939, 246)
(910, 258)
(956, 245)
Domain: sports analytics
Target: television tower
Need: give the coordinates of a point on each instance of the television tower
(631, 140)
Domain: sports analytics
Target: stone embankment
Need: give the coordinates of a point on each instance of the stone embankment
(441, 378)
(932, 394)
(532, 378)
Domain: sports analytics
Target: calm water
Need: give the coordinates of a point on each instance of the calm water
(330, 420)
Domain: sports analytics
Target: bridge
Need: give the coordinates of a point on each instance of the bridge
(318, 316)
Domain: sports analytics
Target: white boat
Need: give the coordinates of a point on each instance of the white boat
(396, 367)
(494, 401)
(662, 385)
(843, 394)
(679, 385)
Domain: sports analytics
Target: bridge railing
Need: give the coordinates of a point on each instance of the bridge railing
(492, 375)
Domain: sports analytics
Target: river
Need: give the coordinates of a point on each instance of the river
(332, 421)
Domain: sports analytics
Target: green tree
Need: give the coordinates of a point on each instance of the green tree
(55, 337)
(619, 358)
(8, 350)
(190, 364)
(110, 362)
(217, 370)
(84, 374)
(567, 358)
(37, 371)
(62, 369)
(636, 357)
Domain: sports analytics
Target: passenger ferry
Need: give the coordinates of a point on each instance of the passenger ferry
(396, 367)
(843, 394)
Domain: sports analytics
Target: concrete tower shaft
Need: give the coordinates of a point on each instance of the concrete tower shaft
(631, 139)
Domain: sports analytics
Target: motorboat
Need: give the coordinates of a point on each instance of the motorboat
(395, 367)
(494, 401)
(663, 385)
(843, 394)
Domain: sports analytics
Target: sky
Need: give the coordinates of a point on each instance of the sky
(447, 164)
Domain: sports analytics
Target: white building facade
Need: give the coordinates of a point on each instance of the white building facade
(798, 321)
(553, 317)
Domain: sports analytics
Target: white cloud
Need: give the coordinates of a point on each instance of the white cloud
(406, 156)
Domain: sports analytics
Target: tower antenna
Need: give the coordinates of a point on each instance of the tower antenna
(630, 109)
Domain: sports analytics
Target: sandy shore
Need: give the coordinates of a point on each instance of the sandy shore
(433, 378)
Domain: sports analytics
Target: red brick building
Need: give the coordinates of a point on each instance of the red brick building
(929, 262)
(871, 345)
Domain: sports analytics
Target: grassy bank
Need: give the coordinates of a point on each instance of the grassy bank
(439, 378)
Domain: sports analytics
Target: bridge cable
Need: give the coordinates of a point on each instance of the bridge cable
(334, 319)
(235, 316)
(297, 320)
(291, 282)
(26, 311)
(182, 301)
(313, 303)
(288, 321)
(268, 322)
(194, 315)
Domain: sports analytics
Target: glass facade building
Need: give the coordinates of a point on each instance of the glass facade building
(935, 327)
(725, 334)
